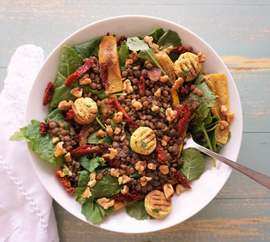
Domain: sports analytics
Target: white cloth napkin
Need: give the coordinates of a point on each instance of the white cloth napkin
(26, 212)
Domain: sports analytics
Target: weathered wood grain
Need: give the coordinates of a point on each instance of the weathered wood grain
(226, 220)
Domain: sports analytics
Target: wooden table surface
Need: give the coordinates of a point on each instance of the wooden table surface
(240, 32)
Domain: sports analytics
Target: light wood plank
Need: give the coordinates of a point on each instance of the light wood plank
(223, 220)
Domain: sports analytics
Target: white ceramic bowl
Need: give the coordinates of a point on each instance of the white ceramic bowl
(203, 190)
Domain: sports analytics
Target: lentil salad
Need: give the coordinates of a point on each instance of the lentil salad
(118, 113)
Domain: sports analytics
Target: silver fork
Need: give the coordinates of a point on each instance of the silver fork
(256, 176)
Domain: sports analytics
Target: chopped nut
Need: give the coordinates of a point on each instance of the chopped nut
(229, 117)
(168, 191)
(140, 166)
(223, 124)
(144, 180)
(223, 109)
(109, 130)
(111, 155)
(68, 157)
(118, 117)
(129, 62)
(87, 193)
(124, 179)
(158, 92)
(92, 179)
(65, 105)
(164, 78)
(201, 57)
(59, 149)
(55, 140)
(76, 92)
(117, 130)
(136, 104)
(118, 205)
(178, 83)
(155, 108)
(125, 189)
(164, 169)
(101, 133)
(85, 80)
(105, 202)
(115, 172)
(152, 166)
(127, 87)
(179, 189)
(149, 40)
(164, 140)
(170, 114)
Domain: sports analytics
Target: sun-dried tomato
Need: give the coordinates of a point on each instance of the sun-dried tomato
(185, 116)
(182, 179)
(48, 93)
(141, 85)
(43, 128)
(88, 63)
(65, 182)
(88, 149)
(70, 114)
(103, 70)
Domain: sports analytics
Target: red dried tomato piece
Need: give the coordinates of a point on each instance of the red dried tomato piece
(182, 179)
(48, 93)
(88, 149)
(103, 69)
(43, 128)
(184, 120)
(88, 63)
(65, 182)
(182, 49)
(141, 85)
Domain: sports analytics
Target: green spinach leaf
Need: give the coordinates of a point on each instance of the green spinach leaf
(91, 164)
(208, 96)
(193, 165)
(56, 115)
(83, 178)
(123, 53)
(94, 212)
(169, 38)
(136, 210)
(99, 93)
(61, 93)
(42, 146)
(88, 48)
(156, 34)
(106, 187)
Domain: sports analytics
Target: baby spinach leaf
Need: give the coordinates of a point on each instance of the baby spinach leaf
(78, 194)
(193, 165)
(123, 53)
(91, 164)
(106, 187)
(169, 38)
(208, 96)
(69, 61)
(56, 115)
(136, 44)
(136, 210)
(61, 93)
(42, 146)
(83, 178)
(156, 34)
(94, 212)
(99, 93)
(88, 48)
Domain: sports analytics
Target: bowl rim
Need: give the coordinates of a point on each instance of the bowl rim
(176, 25)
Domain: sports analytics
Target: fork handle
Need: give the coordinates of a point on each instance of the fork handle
(254, 175)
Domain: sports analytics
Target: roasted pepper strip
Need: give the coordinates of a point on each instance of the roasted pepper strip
(48, 93)
(175, 98)
(183, 121)
(88, 63)
(87, 149)
(141, 85)
(108, 58)
(166, 63)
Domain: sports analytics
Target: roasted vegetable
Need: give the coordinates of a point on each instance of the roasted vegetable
(108, 58)
(166, 63)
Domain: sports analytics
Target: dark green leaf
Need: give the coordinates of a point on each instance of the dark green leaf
(78, 194)
(83, 178)
(156, 34)
(99, 93)
(169, 38)
(69, 61)
(88, 48)
(136, 44)
(42, 146)
(61, 93)
(208, 96)
(93, 212)
(93, 139)
(136, 210)
(135, 175)
(91, 164)
(56, 115)
(106, 187)
(123, 53)
(193, 165)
